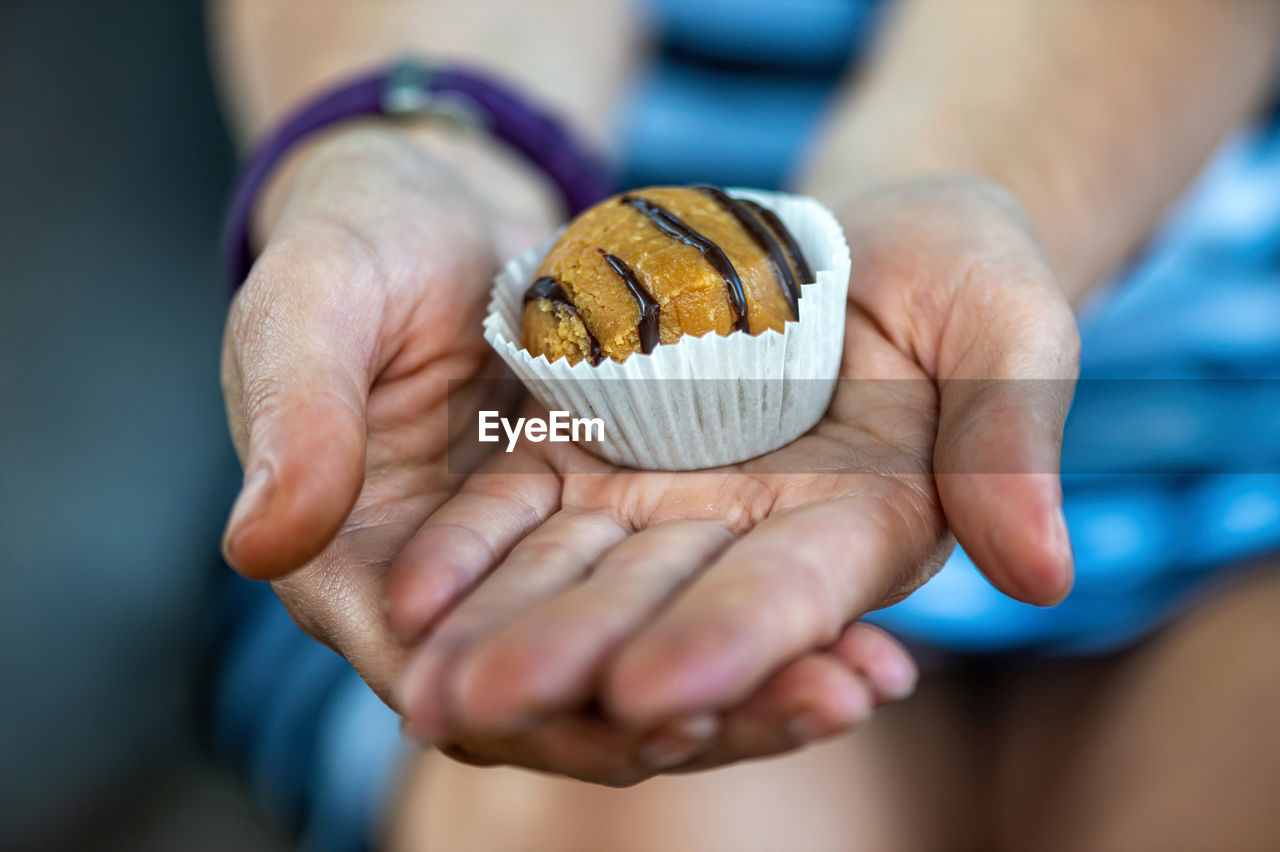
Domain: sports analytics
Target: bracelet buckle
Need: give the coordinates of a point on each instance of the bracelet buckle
(408, 93)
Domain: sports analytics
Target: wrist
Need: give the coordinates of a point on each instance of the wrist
(1033, 195)
(517, 202)
(506, 195)
(520, 203)
(1045, 173)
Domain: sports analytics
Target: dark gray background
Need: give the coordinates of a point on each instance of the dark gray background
(117, 470)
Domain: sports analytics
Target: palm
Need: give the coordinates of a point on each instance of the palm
(883, 426)
(568, 593)
(872, 448)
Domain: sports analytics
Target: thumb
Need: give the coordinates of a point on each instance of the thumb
(296, 368)
(1002, 408)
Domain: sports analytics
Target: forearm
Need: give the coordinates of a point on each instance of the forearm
(1093, 113)
(572, 55)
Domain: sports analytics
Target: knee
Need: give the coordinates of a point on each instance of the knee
(1231, 645)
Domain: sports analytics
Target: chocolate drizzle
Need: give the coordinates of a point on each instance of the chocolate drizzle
(551, 290)
(765, 238)
(647, 325)
(666, 222)
(803, 269)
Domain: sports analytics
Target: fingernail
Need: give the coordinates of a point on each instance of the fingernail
(804, 729)
(680, 741)
(701, 727)
(254, 496)
(412, 736)
(1064, 537)
(1062, 542)
(896, 677)
(418, 721)
(666, 752)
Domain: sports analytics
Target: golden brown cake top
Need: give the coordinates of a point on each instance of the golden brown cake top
(649, 266)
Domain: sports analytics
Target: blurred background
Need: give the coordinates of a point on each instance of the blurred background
(118, 470)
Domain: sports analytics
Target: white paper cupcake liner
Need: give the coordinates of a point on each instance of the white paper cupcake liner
(706, 401)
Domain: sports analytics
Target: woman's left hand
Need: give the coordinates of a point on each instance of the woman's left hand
(556, 588)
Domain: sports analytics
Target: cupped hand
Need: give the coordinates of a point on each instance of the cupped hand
(555, 590)
(339, 348)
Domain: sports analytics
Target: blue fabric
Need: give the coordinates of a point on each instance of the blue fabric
(359, 752)
(798, 35)
(702, 114)
(319, 749)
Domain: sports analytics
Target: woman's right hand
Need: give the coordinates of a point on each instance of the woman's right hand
(336, 365)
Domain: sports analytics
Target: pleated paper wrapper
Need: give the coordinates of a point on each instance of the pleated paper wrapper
(703, 401)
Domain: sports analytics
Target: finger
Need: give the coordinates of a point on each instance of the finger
(549, 657)
(873, 653)
(678, 742)
(297, 369)
(552, 557)
(813, 698)
(789, 586)
(820, 695)
(465, 539)
(581, 746)
(1002, 408)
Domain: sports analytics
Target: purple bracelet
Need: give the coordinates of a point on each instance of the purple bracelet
(411, 88)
